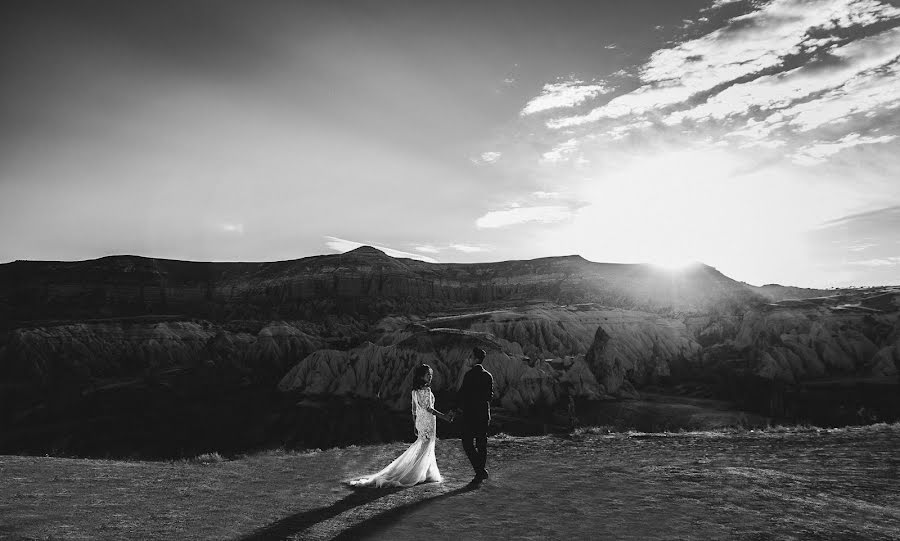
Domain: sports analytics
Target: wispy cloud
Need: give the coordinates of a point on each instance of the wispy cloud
(620, 131)
(519, 215)
(490, 157)
(344, 245)
(818, 153)
(887, 218)
(881, 262)
(563, 94)
(465, 248)
(233, 228)
(560, 152)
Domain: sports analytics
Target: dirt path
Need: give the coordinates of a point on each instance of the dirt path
(757, 485)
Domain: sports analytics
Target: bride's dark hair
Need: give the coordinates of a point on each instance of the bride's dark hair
(419, 376)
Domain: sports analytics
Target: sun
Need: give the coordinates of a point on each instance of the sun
(671, 210)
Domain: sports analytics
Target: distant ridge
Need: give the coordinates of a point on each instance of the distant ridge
(778, 292)
(361, 281)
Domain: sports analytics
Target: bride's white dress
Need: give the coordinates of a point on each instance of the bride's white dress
(418, 463)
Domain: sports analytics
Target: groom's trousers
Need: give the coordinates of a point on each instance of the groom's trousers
(475, 446)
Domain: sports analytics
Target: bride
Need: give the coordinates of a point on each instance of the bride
(418, 463)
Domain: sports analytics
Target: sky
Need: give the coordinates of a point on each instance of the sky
(759, 137)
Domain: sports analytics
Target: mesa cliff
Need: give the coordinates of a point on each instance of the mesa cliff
(364, 282)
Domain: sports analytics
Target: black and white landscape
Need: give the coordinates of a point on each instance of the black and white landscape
(231, 231)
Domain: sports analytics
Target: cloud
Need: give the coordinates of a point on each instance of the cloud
(344, 245)
(519, 215)
(560, 152)
(748, 47)
(233, 228)
(490, 157)
(468, 249)
(867, 224)
(887, 218)
(780, 91)
(862, 95)
(560, 95)
(465, 248)
(817, 153)
(619, 132)
(720, 3)
(881, 262)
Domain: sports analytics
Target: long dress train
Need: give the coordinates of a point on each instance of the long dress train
(418, 463)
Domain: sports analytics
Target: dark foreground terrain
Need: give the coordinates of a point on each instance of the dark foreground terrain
(770, 484)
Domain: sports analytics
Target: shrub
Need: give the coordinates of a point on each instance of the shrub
(207, 458)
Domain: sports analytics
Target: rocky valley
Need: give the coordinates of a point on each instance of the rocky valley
(129, 355)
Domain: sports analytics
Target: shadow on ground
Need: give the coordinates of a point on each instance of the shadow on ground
(382, 520)
(296, 524)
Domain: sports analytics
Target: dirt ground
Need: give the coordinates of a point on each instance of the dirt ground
(772, 484)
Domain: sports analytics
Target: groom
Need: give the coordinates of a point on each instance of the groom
(475, 398)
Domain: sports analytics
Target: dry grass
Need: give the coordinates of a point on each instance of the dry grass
(738, 484)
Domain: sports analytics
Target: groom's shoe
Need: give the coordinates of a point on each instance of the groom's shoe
(482, 475)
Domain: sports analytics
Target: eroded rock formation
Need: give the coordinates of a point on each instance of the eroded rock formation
(633, 349)
(89, 354)
(805, 341)
(624, 348)
(385, 372)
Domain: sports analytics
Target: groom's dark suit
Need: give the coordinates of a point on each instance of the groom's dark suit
(475, 397)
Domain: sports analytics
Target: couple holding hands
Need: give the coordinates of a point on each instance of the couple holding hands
(418, 464)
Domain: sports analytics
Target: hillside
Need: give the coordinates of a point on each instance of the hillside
(362, 283)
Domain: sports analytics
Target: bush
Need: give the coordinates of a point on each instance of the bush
(207, 458)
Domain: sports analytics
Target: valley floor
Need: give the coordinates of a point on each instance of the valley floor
(770, 484)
